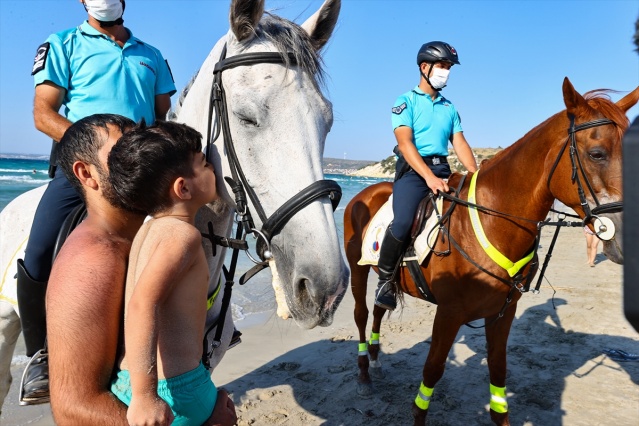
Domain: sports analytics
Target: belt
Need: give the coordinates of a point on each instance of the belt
(434, 160)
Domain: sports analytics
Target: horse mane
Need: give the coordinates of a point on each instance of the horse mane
(598, 99)
(286, 36)
(173, 112)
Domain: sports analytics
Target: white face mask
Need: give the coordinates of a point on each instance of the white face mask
(439, 78)
(104, 10)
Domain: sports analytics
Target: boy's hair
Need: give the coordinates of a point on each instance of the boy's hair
(146, 161)
(82, 141)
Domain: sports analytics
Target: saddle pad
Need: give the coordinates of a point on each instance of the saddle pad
(377, 228)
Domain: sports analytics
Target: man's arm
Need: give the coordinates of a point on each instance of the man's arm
(463, 151)
(162, 106)
(404, 136)
(46, 104)
(84, 312)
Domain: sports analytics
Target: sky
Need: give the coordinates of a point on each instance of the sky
(514, 56)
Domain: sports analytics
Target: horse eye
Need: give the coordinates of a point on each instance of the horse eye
(245, 121)
(597, 155)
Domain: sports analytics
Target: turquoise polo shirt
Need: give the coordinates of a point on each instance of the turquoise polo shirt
(433, 122)
(101, 77)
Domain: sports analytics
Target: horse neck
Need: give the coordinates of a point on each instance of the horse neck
(515, 183)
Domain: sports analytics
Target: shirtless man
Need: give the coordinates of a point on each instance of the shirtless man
(161, 171)
(86, 289)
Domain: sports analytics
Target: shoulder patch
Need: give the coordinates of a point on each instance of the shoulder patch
(399, 109)
(40, 59)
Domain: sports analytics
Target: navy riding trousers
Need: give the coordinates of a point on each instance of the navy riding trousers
(408, 192)
(58, 200)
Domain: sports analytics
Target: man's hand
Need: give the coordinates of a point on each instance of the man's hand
(153, 411)
(436, 184)
(224, 411)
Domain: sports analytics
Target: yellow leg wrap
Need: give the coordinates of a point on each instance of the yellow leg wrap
(498, 399)
(362, 349)
(422, 400)
(374, 339)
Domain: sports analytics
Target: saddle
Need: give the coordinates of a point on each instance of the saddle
(422, 237)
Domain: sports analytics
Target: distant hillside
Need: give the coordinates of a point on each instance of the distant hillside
(344, 167)
(386, 167)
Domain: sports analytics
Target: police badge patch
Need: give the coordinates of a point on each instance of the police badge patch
(399, 109)
(40, 58)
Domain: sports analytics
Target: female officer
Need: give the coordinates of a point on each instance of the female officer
(423, 122)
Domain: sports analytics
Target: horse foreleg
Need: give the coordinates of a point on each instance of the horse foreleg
(359, 278)
(497, 330)
(9, 332)
(445, 328)
(373, 347)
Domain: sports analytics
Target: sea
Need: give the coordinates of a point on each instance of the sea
(251, 302)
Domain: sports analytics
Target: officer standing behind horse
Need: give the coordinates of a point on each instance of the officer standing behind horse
(423, 122)
(97, 67)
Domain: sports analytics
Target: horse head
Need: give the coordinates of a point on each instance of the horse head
(591, 158)
(278, 120)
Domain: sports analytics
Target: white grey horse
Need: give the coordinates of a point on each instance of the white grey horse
(277, 120)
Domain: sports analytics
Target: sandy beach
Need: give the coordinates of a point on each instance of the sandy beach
(558, 371)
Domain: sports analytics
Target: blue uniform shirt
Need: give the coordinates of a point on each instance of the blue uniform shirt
(433, 122)
(101, 77)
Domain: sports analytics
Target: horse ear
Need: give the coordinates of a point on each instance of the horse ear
(629, 100)
(244, 17)
(572, 98)
(320, 26)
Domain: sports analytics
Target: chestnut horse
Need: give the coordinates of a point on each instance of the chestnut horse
(514, 193)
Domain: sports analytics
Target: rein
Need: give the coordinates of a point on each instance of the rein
(271, 225)
(520, 282)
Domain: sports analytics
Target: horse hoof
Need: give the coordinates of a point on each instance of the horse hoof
(376, 372)
(365, 389)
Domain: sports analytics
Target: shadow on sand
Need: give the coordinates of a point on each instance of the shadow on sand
(321, 376)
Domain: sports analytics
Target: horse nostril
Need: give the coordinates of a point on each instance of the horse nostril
(304, 292)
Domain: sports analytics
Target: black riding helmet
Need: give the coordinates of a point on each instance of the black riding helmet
(437, 51)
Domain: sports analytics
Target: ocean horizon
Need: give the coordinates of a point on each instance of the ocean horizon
(20, 173)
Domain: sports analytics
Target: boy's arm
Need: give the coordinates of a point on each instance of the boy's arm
(84, 313)
(166, 265)
(464, 152)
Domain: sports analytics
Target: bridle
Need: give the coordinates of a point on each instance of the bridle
(273, 224)
(577, 168)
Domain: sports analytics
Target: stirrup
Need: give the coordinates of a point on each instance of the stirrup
(39, 385)
(386, 298)
(235, 340)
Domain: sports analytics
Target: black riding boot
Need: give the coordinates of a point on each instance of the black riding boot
(391, 251)
(31, 294)
(31, 303)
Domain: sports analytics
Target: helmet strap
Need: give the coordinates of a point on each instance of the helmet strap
(427, 79)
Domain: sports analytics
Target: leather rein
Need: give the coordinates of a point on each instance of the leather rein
(271, 225)
(520, 282)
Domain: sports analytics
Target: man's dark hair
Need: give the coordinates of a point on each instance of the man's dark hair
(83, 140)
(146, 161)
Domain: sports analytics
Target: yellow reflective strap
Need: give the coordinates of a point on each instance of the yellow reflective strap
(511, 267)
(422, 400)
(362, 349)
(211, 299)
(374, 338)
(498, 401)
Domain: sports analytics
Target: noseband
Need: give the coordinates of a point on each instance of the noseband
(577, 168)
(272, 225)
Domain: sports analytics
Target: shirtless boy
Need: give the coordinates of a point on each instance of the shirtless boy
(160, 170)
(86, 289)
